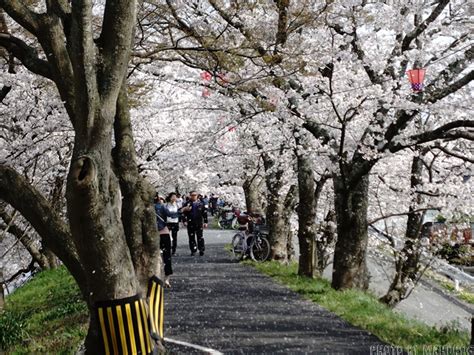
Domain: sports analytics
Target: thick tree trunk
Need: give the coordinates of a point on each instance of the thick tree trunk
(276, 227)
(350, 268)
(138, 212)
(290, 203)
(275, 207)
(407, 263)
(111, 244)
(306, 218)
(253, 197)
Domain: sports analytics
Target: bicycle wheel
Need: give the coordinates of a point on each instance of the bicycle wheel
(234, 224)
(238, 247)
(220, 223)
(260, 249)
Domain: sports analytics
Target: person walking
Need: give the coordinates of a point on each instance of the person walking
(173, 219)
(195, 216)
(213, 204)
(162, 214)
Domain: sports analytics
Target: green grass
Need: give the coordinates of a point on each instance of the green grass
(365, 311)
(463, 294)
(46, 314)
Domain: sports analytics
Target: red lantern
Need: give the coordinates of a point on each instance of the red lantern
(416, 77)
(205, 75)
(231, 129)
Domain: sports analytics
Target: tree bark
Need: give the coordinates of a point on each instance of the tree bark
(111, 243)
(350, 268)
(407, 263)
(253, 197)
(290, 203)
(306, 217)
(276, 226)
(2, 291)
(275, 206)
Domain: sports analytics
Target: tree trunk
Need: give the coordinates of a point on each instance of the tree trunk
(276, 227)
(350, 268)
(290, 204)
(53, 260)
(2, 290)
(306, 217)
(111, 242)
(327, 238)
(407, 263)
(253, 197)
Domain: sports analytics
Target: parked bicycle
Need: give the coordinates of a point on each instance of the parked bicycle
(253, 243)
(227, 218)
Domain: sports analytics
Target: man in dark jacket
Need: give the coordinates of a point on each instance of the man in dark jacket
(195, 216)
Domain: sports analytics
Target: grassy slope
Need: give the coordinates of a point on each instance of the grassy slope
(46, 314)
(364, 310)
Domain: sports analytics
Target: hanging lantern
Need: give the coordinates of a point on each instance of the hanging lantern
(206, 76)
(231, 129)
(416, 77)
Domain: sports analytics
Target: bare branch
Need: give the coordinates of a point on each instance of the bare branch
(21, 195)
(282, 32)
(26, 54)
(454, 154)
(402, 214)
(424, 25)
(442, 93)
(444, 132)
(19, 12)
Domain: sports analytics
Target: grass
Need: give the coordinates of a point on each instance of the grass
(365, 311)
(46, 314)
(462, 294)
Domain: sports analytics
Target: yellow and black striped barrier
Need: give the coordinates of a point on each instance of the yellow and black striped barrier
(127, 325)
(156, 299)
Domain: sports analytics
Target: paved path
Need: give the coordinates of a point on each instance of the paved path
(234, 309)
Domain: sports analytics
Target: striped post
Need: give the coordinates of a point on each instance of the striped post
(124, 326)
(156, 299)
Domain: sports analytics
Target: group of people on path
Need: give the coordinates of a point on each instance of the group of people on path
(192, 212)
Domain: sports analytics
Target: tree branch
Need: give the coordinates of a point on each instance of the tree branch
(19, 12)
(23, 238)
(442, 93)
(402, 214)
(116, 40)
(26, 54)
(282, 32)
(422, 26)
(443, 132)
(21, 195)
(454, 154)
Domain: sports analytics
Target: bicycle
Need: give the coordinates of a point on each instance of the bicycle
(252, 244)
(227, 219)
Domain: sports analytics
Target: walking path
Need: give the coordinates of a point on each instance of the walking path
(231, 308)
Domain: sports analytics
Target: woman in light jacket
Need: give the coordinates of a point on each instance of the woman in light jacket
(173, 219)
(162, 214)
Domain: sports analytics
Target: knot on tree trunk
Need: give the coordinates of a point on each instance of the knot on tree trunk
(83, 172)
